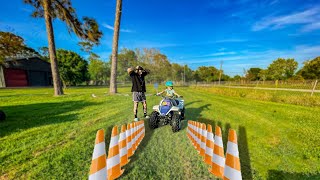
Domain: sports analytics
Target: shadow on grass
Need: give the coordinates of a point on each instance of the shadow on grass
(23, 117)
(275, 175)
(244, 155)
(193, 113)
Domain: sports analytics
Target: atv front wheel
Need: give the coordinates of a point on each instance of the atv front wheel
(176, 122)
(154, 120)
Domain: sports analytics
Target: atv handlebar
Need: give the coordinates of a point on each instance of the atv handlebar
(173, 97)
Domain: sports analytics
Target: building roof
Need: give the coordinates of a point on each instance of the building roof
(30, 63)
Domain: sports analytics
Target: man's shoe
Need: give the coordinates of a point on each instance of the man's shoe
(136, 119)
(147, 117)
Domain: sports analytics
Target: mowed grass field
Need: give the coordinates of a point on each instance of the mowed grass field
(46, 137)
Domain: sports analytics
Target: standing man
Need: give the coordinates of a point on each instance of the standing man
(138, 89)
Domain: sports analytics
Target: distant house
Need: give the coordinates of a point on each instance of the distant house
(25, 72)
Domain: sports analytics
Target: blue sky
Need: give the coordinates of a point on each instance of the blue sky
(242, 34)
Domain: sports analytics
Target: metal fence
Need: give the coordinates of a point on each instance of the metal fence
(311, 87)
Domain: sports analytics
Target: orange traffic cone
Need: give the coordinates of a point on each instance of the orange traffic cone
(98, 168)
(135, 144)
(129, 140)
(209, 146)
(189, 130)
(113, 161)
(123, 147)
(140, 131)
(194, 132)
(203, 139)
(133, 136)
(143, 130)
(232, 167)
(199, 132)
(218, 159)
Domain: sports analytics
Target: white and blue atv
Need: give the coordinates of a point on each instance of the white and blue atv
(170, 111)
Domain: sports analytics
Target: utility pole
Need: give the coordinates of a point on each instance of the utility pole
(184, 74)
(220, 72)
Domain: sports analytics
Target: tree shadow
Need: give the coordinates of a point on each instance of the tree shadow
(275, 175)
(22, 117)
(193, 113)
(244, 155)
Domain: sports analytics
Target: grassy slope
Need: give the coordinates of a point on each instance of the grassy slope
(48, 138)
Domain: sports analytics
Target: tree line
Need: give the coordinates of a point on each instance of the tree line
(284, 69)
(76, 70)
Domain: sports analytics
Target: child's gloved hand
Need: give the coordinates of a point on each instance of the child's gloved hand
(158, 94)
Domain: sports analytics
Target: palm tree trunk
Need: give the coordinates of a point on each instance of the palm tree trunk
(113, 76)
(52, 50)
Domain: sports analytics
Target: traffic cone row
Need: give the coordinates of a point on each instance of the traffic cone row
(122, 146)
(210, 147)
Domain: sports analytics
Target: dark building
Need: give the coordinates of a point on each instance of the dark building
(25, 72)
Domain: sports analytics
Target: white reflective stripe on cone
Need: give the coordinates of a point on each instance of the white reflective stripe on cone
(218, 141)
(204, 133)
(218, 160)
(232, 149)
(209, 151)
(122, 136)
(102, 174)
(113, 161)
(99, 150)
(211, 138)
(123, 151)
(114, 141)
(232, 174)
(129, 145)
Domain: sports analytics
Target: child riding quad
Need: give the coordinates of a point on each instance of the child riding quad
(170, 110)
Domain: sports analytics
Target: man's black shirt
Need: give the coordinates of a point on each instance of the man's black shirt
(138, 82)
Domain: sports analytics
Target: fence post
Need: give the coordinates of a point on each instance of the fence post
(314, 87)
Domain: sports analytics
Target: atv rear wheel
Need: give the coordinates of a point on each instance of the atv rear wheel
(176, 122)
(154, 120)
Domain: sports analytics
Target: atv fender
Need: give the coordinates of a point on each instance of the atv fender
(156, 108)
(175, 108)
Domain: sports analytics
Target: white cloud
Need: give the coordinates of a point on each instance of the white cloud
(112, 28)
(311, 27)
(230, 40)
(260, 58)
(309, 18)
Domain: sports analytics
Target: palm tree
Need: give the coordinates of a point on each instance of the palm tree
(63, 10)
(113, 76)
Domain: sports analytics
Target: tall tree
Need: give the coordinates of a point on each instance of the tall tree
(72, 67)
(282, 69)
(126, 58)
(99, 71)
(13, 46)
(63, 10)
(208, 74)
(311, 69)
(252, 74)
(113, 76)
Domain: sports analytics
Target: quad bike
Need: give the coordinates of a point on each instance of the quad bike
(170, 111)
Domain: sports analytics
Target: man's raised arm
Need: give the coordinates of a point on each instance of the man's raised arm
(130, 70)
(146, 71)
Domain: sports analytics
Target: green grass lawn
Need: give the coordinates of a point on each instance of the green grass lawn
(46, 137)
